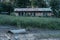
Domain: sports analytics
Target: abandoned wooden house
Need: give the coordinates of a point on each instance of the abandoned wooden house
(33, 11)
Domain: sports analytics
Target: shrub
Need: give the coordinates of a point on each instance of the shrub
(33, 22)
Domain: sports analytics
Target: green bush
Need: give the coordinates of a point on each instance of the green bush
(33, 22)
(12, 14)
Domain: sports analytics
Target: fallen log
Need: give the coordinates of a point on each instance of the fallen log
(18, 31)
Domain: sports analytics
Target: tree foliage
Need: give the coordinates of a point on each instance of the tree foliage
(41, 3)
(22, 3)
(6, 7)
(55, 5)
(30, 3)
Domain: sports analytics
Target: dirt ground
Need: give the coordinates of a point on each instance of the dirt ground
(33, 34)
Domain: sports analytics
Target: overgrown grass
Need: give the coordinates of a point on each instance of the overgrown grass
(34, 22)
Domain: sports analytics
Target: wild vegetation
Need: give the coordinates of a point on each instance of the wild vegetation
(55, 6)
(30, 22)
(39, 22)
(30, 3)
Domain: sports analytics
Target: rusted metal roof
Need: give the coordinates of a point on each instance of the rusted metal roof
(32, 9)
